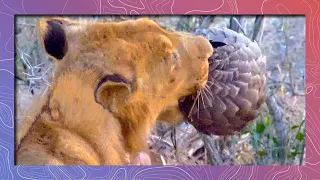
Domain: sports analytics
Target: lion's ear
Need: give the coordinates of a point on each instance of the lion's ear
(53, 38)
(112, 91)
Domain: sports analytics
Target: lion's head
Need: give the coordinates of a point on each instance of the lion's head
(135, 68)
(134, 60)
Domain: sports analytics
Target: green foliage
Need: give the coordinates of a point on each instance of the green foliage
(266, 144)
(267, 121)
(294, 127)
(300, 136)
(293, 154)
(260, 127)
(262, 153)
(275, 141)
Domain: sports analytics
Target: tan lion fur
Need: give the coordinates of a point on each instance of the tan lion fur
(82, 122)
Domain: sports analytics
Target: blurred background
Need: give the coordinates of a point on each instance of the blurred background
(276, 137)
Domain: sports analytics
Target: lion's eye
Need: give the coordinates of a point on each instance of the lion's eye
(175, 55)
(176, 59)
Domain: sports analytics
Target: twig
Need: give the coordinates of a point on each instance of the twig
(159, 139)
(33, 79)
(235, 24)
(302, 152)
(212, 152)
(25, 24)
(289, 85)
(206, 21)
(19, 78)
(163, 160)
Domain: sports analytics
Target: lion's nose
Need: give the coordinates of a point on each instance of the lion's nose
(204, 47)
(199, 48)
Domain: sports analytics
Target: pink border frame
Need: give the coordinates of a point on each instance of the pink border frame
(9, 8)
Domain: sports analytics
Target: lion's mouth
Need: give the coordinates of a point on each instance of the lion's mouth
(202, 84)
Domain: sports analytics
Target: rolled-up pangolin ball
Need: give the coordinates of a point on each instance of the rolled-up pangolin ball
(235, 88)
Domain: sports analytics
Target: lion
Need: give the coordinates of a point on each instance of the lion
(112, 80)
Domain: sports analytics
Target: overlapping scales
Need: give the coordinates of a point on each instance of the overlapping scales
(235, 88)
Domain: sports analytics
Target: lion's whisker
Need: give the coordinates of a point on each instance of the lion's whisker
(206, 96)
(198, 115)
(194, 102)
(202, 98)
(207, 89)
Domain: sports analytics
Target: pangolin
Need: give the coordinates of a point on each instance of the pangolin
(235, 88)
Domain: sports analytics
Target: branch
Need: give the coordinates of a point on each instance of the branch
(280, 125)
(235, 24)
(257, 26)
(212, 151)
(206, 21)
